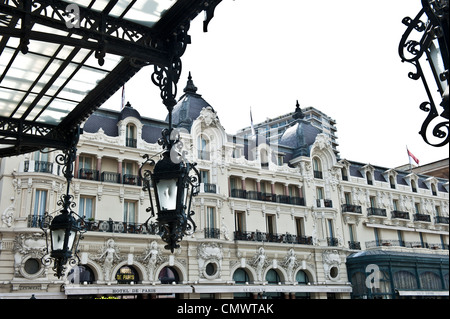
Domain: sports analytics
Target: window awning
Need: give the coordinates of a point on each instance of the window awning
(60, 60)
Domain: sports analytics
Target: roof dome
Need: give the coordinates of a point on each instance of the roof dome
(127, 111)
(188, 107)
(300, 136)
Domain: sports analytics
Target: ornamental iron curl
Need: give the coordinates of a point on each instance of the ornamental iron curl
(64, 258)
(171, 225)
(412, 50)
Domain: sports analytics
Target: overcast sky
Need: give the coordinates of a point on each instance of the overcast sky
(340, 57)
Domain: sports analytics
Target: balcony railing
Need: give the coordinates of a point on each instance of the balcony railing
(399, 214)
(272, 237)
(354, 245)
(131, 142)
(87, 173)
(108, 226)
(132, 180)
(324, 203)
(373, 211)
(318, 174)
(348, 208)
(267, 197)
(212, 233)
(110, 177)
(441, 220)
(332, 241)
(39, 167)
(422, 218)
(209, 188)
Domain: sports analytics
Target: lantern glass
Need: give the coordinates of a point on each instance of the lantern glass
(63, 232)
(167, 193)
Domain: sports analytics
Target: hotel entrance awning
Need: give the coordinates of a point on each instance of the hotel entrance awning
(60, 60)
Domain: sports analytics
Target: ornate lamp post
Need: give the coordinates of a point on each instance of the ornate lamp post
(64, 230)
(433, 46)
(174, 189)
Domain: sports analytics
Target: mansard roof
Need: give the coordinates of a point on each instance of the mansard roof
(355, 171)
(189, 106)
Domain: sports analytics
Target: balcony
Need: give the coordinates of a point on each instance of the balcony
(39, 167)
(441, 220)
(373, 211)
(110, 177)
(209, 188)
(131, 142)
(129, 179)
(356, 245)
(238, 193)
(88, 174)
(348, 208)
(332, 241)
(108, 226)
(212, 233)
(422, 218)
(273, 238)
(267, 197)
(324, 203)
(406, 244)
(318, 174)
(399, 214)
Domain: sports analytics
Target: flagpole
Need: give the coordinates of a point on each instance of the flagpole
(409, 159)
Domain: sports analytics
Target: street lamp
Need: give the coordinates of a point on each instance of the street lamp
(174, 188)
(65, 234)
(65, 231)
(432, 46)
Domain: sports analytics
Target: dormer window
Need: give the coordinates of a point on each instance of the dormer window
(203, 148)
(413, 186)
(369, 178)
(433, 189)
(317, 167)
(131, 140)
(392, 181)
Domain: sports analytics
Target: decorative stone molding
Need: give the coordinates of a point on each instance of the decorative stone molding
(210, 256)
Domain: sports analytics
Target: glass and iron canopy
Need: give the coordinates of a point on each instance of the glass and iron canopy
(60, 60)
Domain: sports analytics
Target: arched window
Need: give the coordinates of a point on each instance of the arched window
(302, 279)
(168, 275)
(405, 280)
(430, 281)
(81, 275)
(203, 148)
(273, 278)
(131, 139)
(127, 275)
(317, 168)
(241, 277)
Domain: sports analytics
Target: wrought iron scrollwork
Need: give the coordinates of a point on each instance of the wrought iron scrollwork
(412, 50)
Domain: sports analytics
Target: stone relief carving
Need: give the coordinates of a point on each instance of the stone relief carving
(331, 264)
(108, 257)
(210, 253)
(28, 246)
(260, 262)
(154, 258)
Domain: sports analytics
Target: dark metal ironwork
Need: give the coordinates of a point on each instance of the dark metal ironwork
(100, 33)
(434, 30)
(172, 223)
(67, 226)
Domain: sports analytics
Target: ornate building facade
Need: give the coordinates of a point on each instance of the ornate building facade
(284, 220)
